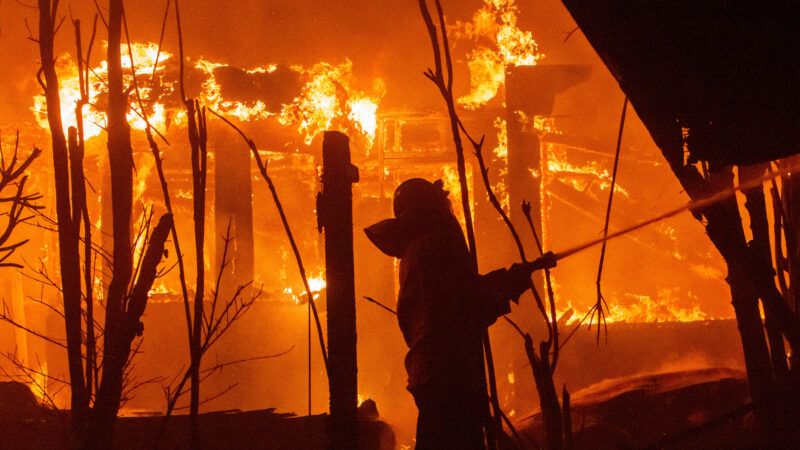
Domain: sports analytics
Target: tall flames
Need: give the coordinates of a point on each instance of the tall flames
(152, 81)
(327, 100)
(500, 43)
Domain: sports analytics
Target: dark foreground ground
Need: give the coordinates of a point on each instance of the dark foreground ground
(697, 409)
(24, 426)
(694, 409)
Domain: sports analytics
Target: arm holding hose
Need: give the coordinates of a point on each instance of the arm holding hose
(503, 286)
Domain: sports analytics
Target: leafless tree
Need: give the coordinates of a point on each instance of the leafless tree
(94, 410)
(216, 320)
(442, 78)
(16, 204)
(206, 322)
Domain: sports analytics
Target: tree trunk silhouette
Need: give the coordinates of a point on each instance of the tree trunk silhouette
(726, 232)
(548, 398)
(118, 347)
(93, 425)
(199, 154)
(791, 226)
(748, 277)
(68, 239)
(120, 157)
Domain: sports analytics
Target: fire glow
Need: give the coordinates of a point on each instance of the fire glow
(328, 99)
(500, 43)
(144, 56)
(316, 284)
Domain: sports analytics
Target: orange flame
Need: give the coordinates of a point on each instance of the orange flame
(327, 97)
(496, 22)
(38, 384)
(452, 184)
(326, 101)
(211, 94)
(580, 177)
(501, 152)
(647, 309)
(316, 283)
(144, 56)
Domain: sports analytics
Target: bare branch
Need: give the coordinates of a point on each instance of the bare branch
(5, 316)
(262, 168)
(600, 306)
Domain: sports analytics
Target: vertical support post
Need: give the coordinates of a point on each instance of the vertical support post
(791, 207)
(335, 215)
(524, 160)
(531, 90)
(233, 201)
(756, 205)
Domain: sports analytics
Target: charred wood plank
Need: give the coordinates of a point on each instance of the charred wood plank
(335, 215)
(756, 205)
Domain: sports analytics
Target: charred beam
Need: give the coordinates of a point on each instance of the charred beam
(335, 215)
(233, 200)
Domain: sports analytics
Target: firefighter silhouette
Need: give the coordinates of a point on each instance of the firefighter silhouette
(444, 306)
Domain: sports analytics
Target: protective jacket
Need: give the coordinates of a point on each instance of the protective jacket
(444, 304)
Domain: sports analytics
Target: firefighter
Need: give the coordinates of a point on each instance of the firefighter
(444, 306)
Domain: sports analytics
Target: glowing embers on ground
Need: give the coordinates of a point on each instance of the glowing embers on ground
(500, 43)
(638, 308)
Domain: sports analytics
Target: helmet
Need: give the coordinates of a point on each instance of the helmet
(419, 195)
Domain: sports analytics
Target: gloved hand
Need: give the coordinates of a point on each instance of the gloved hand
(519, 281)
(520, 274)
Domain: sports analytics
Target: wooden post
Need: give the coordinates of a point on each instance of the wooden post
(531, 90)
(756, 205)
(233, 202)
(335, 215)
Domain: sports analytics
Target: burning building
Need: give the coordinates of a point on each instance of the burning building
(286, 73)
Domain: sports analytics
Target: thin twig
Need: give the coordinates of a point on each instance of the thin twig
(372, 300)
(445, 86)
(601, 307)
(262, 168)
